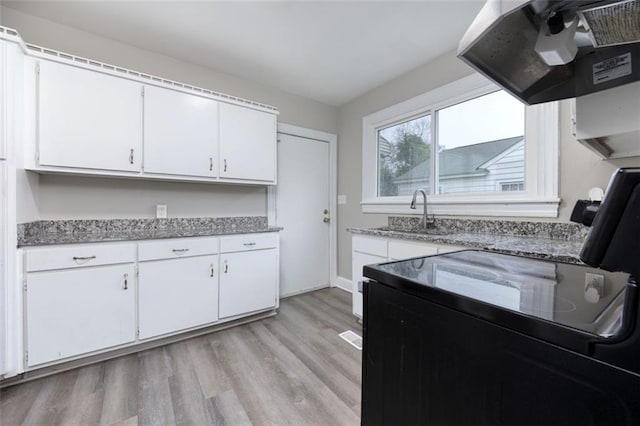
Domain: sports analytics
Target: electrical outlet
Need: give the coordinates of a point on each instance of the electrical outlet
(161, 211)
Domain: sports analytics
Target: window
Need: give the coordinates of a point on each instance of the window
(404, 155)
(474, 148)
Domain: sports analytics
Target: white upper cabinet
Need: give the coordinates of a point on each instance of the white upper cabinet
(247, 144)
(91, 118)
(180, 133)
(87, 119)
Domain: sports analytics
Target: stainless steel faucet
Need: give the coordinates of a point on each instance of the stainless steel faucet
(425, 219)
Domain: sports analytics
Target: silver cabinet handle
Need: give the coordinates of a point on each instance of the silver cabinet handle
(225, 164)
(180, 251)
(210, 164)
(249, 244)
(80, 258)
(211, 271)
(131, 157)
(126, 281)
(226, 267)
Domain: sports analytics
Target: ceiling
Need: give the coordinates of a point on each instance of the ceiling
(329, 51)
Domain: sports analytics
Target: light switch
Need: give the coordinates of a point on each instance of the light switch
(161, 211)
(342, 199)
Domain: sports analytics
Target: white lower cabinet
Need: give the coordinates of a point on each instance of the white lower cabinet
(76, 311)
(368, 250)
(248, 278)
(177, 291)
(86, 298)
(358, 261)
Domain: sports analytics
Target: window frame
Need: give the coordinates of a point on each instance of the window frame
(540, 197)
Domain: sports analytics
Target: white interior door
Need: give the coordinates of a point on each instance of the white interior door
(302, 198)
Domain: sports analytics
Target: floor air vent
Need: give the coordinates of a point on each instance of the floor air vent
(352, 338)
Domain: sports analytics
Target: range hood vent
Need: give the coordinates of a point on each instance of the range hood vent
(543, 50)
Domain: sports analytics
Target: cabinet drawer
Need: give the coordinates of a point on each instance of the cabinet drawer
(77, 256)
(248, 242)
(405, 249)
(370, 245)
(449, 249)
(177, 247)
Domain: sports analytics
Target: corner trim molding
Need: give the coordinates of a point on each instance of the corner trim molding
(344, 284)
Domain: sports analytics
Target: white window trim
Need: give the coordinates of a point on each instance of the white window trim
(540, 199)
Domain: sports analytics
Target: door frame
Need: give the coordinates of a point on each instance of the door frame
(332, 140)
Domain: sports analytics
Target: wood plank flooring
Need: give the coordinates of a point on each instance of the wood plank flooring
(291, 369)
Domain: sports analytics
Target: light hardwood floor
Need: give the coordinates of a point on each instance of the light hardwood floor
(291, 369)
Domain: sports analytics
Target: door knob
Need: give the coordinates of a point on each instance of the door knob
(326, 220)
(325, 211)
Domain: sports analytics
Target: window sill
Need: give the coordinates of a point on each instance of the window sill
(512, 207)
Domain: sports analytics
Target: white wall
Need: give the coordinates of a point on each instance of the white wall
(68, 197)
(580, 169)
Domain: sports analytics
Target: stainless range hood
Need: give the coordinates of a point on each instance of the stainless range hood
(546, 50)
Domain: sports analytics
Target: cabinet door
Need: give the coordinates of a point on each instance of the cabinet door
(247, 143)
(358, 260)
(176, 294)
(87, 119)
(76, 311)
(180, 133)
(248, 281)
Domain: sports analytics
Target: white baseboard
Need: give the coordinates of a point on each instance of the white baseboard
(306, 290)
(344, 284)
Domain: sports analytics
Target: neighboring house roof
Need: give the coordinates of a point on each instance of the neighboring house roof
(461, 161)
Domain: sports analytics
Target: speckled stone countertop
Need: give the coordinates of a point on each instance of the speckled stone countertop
(89, 231)
(543, 240)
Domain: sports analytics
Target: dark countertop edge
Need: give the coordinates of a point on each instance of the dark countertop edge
(60, 239)
(488, 245)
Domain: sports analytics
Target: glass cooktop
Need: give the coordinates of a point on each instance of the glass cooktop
(573, 295)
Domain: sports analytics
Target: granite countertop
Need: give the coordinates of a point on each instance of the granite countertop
(543, 240)
(89, 231)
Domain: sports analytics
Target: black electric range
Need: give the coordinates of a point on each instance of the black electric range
(570, 305)
(482, 338)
